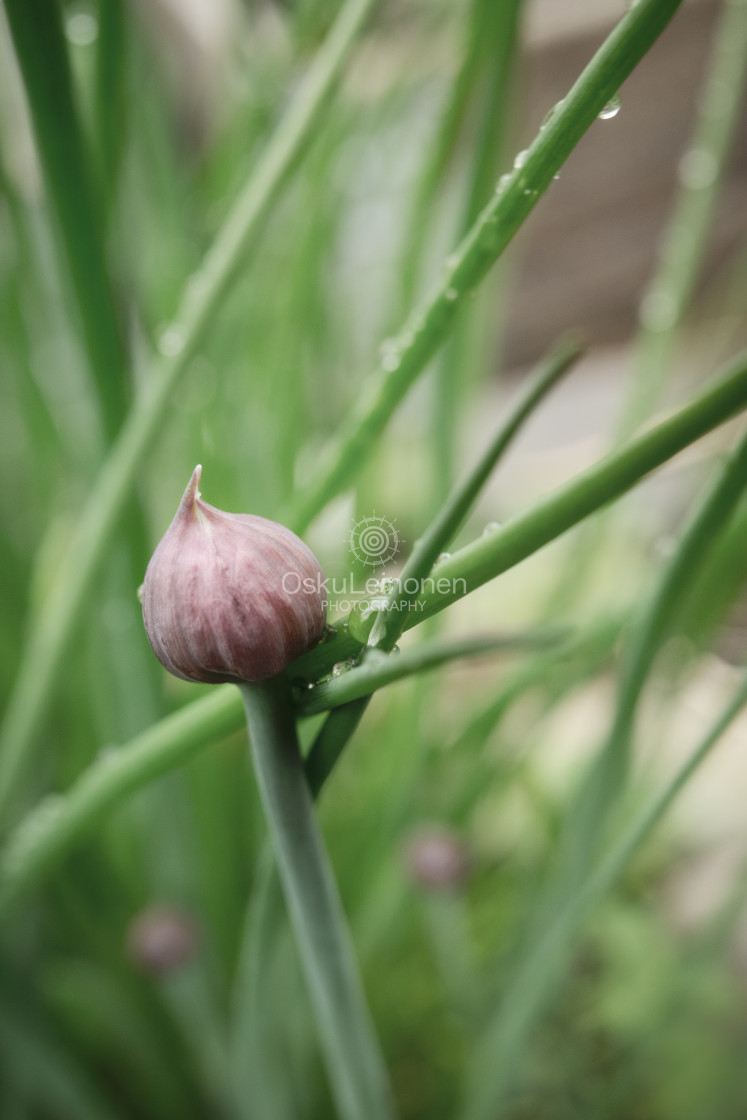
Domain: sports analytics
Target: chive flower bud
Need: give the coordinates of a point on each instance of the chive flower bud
(437, 859)
(230, 596)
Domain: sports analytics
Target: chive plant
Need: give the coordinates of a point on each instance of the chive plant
(184, 934)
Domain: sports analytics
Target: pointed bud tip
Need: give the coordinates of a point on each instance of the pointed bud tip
(192, 493)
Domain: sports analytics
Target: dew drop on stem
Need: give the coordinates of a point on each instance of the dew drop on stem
(82, 28)
(171, 340)
(611, 109)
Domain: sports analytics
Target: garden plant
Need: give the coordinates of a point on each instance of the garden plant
(390, 905)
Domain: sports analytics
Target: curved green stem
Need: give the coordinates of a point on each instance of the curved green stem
(354, 1063)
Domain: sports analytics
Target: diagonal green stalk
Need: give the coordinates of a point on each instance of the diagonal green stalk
(39, 42)
(609, 478)
(391, 621)
(45, 835)
(378, 669)
(408, 353)
(536, 979)
(50, 637)
(333, 737)
(354, 1063)
(61, 818)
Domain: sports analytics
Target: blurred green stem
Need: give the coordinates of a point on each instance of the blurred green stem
(39, 42)
(543, 950)
(611, 768)
(354, 1063)
(701, 169)
(535, 980)
(52, 632)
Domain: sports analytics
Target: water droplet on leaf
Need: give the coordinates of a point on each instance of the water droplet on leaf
(171, 340)
(82, 28)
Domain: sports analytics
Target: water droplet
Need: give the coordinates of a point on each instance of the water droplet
(658, 311)
(387, 584)
(374, 657)
(491, 527)
(107, 755)
(502, 183)
(171, 340)
(198, 283)
(451, 262)
(340, 668)
(328, 634)
(521, 158)
(443, 556)
(698, 169)
(611, 109)
(451, 294)
(556, 176)
(139, 592)
(396, 649)
(373, 606)
(390, 354)
(310, 686)
(550, 114)
(82, 28)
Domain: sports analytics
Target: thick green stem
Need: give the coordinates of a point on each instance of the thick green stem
(354, 1063)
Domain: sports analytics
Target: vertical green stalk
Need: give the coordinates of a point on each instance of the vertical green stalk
(111, 101)
(497, 27)
(50, 637)
(39, 44)
(354, 1062)
(701, 169)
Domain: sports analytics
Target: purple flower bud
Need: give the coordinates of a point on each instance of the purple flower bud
(230, 596)
(161, 939)
(437, 859)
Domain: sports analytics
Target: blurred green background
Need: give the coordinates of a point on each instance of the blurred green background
(125, 973)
